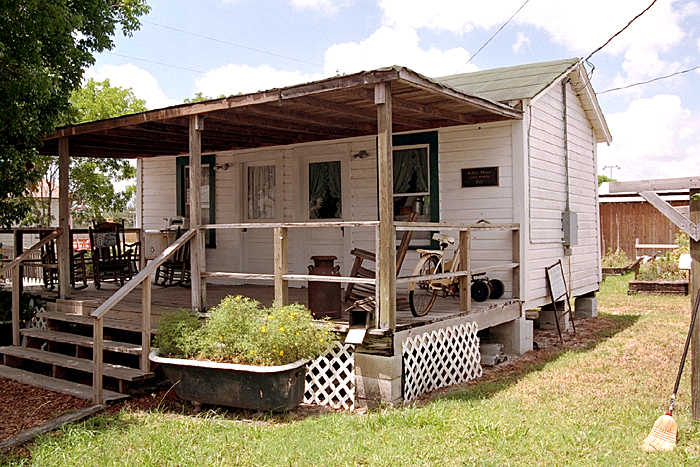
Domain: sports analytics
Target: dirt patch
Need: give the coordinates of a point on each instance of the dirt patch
(23, 406)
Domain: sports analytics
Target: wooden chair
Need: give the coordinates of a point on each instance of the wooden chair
(176, 269)
(112, 259)
(357, 292)
(49, 264)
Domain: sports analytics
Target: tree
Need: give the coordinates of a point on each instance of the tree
(44, 49)
(604, 178)
(92, 193)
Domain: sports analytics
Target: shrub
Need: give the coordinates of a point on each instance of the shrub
(615, 259)
(239, 330)
(26, 306)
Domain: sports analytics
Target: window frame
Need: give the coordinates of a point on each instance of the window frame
(206, 160)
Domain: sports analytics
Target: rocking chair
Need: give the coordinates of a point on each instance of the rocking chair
(50, 267)
(112, 259)
(176, 269)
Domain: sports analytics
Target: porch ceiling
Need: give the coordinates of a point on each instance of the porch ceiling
(333, 108)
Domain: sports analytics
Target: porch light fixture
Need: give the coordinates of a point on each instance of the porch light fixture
(220, 167)
(360, 155)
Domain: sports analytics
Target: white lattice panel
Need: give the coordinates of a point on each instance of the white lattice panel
(440, 358)
(330, 379)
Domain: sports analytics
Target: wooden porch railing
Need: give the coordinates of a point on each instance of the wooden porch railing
(17, 280)
(142, 277)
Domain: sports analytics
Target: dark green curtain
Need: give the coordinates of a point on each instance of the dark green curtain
(411, 170)
(324, 190)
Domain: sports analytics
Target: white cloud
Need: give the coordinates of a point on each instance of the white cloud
(395, 46)
(315, 4)
(233, 79)
(580, 28)
(651, 140)
(142, 83)
(521, 41)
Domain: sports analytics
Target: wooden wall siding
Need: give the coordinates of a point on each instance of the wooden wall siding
(622, 223)
(487, 145)
(548, 198)
(159, 191)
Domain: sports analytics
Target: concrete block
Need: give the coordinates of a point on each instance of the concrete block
(548, 322)
(378, 367)
(372, 392)
(516, 336)
(586, 307)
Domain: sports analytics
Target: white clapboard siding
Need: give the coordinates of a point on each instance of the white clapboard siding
(158, 191)
(548, 198)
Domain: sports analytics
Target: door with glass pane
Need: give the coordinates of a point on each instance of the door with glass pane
(325, 201)
(262, 204)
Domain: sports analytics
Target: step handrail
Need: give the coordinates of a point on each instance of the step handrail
(17, 280)
(31, 250)
(98, 315)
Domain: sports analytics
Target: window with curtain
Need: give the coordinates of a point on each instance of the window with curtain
(411, 179)
(324, 190)
(261, 192)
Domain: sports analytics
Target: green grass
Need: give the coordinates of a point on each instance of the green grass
(584, 407)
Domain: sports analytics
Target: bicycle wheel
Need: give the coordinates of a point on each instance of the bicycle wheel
(422, 298)
(497, 289)
(480, 290)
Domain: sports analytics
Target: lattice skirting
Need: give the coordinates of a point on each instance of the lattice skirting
(440, 358)
(330, 379)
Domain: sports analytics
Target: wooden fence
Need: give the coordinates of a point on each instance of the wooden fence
(621, 224)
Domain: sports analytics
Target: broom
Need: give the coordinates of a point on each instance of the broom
(664, 434)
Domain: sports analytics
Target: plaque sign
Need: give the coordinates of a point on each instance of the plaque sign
(482, 176)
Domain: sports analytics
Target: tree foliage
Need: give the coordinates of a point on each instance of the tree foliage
(44, 49)
(604, 178)
(92, 193)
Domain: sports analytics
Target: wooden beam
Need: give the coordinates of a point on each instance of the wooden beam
(16, 293)
(197, 256)
(63, 245)
(694, 288)
(386, 247)
(146, 295)
(685, 224)
(281, 266)
(465, 261)
(97, 363)
(666, 184)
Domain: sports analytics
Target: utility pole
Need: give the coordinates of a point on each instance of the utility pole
(611, 167)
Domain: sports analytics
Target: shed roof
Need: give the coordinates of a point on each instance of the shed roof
(521, 82)
(513, 82)
(333, 108)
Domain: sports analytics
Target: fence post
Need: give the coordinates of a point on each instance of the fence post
(97, 336)
(145, 323)
(281, 265)
(16, 293)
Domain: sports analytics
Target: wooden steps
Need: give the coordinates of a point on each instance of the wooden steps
(64, 349)
(123, 373)
(82, 341)
(57, 385)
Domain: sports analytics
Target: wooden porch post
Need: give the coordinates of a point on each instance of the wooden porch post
(197, 257)
(281, 265)
(63, 241)
(386, 249)
(694, 287)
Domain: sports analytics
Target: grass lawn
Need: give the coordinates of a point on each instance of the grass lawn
(587, 407)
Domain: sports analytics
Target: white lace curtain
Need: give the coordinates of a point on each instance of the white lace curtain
(261, 192)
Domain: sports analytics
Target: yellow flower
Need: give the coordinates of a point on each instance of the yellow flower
(297, 334)
(321, 339)
(281, 329)
(281, 352)
(263, 329)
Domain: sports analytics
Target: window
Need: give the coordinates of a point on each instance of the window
(416, 181)
(208, 194)
(325, 200)
(261, 192)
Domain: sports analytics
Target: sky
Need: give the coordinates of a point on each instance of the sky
(225, 47)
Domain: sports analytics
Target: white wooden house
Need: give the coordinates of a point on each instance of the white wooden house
(504, 160)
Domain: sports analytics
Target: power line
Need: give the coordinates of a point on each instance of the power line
(233, 44)
(620, 31)
(157, 63)
(499, 30)
(651, 80)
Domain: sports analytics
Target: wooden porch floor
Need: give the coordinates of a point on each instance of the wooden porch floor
(166, 299)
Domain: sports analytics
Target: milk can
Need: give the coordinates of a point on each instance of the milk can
(324, 297)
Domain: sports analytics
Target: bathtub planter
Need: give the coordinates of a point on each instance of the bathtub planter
(265, 388)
